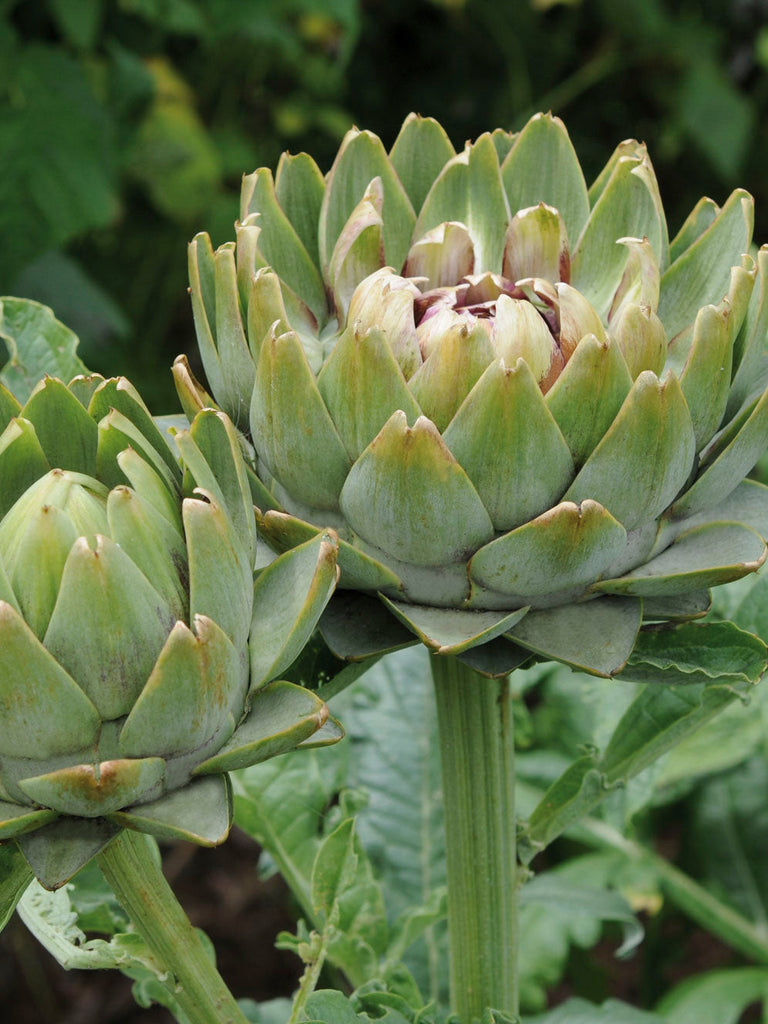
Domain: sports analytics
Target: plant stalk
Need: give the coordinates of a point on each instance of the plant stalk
(130, 866)
(475, 729)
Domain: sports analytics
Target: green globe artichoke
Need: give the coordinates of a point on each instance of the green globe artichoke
(527, 413)
(127, 602)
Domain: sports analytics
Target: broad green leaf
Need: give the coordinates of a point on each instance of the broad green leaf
(715, 997)
(657, 719)
(579, 1011)
(730, 832)
(562, 909)
(694, 652)
(59, 155)
(15, 876)
(37, 344)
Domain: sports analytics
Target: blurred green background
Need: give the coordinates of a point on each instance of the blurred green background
(125, 125)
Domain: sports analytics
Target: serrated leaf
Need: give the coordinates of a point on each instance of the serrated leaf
(656, 721)
(697, 653)
(37, 344)
(730, 833)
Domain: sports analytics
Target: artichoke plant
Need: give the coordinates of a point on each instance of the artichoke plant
(127, 604)
(526, 412)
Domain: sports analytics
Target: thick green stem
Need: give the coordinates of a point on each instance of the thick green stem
(130, 866)
(475, 726)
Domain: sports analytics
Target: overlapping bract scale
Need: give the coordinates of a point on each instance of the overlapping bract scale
(524, 408)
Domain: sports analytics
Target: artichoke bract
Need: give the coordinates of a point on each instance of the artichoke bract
(127, 602)
(528, 414)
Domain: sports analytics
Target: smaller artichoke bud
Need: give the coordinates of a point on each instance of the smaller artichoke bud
(445, 255)
(385, 300)
(641, 337)
(537, 245)
(519, 331)
(139, 658)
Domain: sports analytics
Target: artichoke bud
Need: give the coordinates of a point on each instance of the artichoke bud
(641, 337)
(537, 245)
(442, 256)
(125, 622)
(522, 329)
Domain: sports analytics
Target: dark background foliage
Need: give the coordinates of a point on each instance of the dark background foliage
(125, 125)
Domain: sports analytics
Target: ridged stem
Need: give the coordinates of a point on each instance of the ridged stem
(130, 866)
(476, 738)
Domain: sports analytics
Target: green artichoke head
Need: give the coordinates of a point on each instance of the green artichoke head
(138, 658)
(527, 413)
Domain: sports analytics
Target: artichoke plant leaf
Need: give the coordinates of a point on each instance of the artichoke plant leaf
(628, 207)
(278, 242)
(588, 394)
(715, 997)
(469, 189)
(31, 683)
(287, 412)
(37, 344)
(645, 456)
(568, 546)
(655, 722)
(697, 652)
(362, 385)
(359, 570)
(194, 690)
(694, 225)
(93, 791)
(727, 461)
